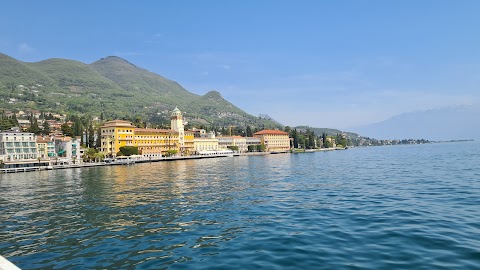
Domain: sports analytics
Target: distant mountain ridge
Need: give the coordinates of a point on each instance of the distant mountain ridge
(112, 86)
(448, 123)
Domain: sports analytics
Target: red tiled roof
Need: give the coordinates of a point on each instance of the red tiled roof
(43, 140)
(271, 132)
(63, 138)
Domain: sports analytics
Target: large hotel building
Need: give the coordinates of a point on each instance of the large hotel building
(150, 142)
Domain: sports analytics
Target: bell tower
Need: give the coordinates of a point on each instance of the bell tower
(176, 123)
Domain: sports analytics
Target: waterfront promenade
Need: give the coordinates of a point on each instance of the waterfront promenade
(126, 161)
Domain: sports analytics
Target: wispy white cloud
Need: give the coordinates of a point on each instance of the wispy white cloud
(24, 48)
(226, 67)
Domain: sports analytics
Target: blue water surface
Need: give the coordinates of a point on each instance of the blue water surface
(392, 207)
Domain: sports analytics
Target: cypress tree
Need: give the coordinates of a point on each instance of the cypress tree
(91, 136)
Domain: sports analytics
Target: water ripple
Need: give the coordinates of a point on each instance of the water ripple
(406, 207)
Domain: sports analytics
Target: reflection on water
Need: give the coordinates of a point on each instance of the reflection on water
(386, 207)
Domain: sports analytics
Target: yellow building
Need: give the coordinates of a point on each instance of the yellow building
(155, 142)
(206, 144)
(115, 134)
(274, 140)
(188, 143)
(42, 147)
(150, 142)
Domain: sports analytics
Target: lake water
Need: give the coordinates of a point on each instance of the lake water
(393, 207)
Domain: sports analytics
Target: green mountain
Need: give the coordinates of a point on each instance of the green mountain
(111, 86)
(14, 73)
(140, 82)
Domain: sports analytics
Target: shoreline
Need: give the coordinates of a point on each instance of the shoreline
(165, 159)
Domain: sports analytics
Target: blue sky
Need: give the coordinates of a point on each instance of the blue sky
(319, 63)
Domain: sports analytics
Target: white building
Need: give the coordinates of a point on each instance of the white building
(17, 145)
(235, 141)
(68, 149)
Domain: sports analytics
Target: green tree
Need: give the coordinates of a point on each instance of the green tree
(324, 140)
(301, 141)
(129, 150)
(99, 156)
(98, 142)
(249, 132)
(170, 153)
(67, 130)
(138, 122)
(295, 138)
(34, 128)
(77, 126)
(340, 140)
(6, 123)
(261, 147)
(46, 127)
(310, 139)
(11, 86)
(233, 147)
(91, 136)
(15, 120)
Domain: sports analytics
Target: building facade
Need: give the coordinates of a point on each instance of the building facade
(151, 143)
(188, 143)
(17, 145)
(115, 134)
(67, 149)
(45, 147)
(206, 144)
(274, 140)
(253, 141)
(226, 142)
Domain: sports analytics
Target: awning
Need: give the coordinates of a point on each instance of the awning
(61, 152)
